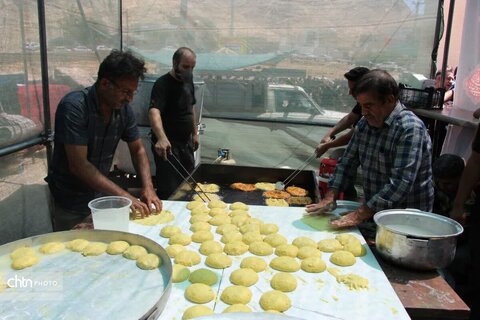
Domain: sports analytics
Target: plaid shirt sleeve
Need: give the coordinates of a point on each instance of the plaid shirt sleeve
(346, 169)
(406, 166)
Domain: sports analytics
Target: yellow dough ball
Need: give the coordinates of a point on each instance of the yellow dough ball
(24, 251)
(217, 204)
(239, 220)
(236, 295)
(220, 219)
(202, 236)
(268, 228)
(196, 312)
(233, 236)
(209, 247)
(352, 244)
(244, 277)
(199, 293)
(134, 252)
(304, 242)
(199, 226)
(260, 248)
(313, 265)
(204, 276)
(95, 249)
(275, 300)
(218, 261)
(217, 211)
(307, 252)
(77, 245)
(22, 262)
(285, 264)
(255, 263)
(52, 247)
(237, 308)
(275, 240)
(117, 247)
(235, 248)
(148, 261)
(226, 228)
(343, 258)
(284, 282)
(187, 258)
(195, 204)
(201, 210)
(236, 213)
(252, 236)
(180, 238)
(344, 238)
(329, 245)
(239, 206)
(180, 273)
(288, 250)
(174, 249)
(250, 227)
(169, 231)
(200, 218)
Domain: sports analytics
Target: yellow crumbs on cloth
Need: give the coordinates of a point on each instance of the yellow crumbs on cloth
(351, 280)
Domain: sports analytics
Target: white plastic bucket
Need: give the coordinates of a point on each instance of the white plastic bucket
(110, 213)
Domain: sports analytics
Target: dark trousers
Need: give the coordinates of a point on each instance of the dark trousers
(167, 178)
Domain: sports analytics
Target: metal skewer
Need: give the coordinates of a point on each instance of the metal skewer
(279, 185)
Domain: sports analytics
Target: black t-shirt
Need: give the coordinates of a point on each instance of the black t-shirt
(357, 109)
(476, 141)
(175, 100)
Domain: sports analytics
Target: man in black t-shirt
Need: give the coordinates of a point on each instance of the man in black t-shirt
(172, 117)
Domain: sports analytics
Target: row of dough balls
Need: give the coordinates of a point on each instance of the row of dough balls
(25, 257)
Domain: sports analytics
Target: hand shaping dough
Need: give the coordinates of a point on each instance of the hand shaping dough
(244, 277)
(180, 238)
(202, 236)
(180, 273)
(77, 245)
(199, 226)
(236, 295)
(169, 231)
(275, 300)
(343, 258)
(307, 252)
(284, 282)
(22, 262)
(188, 258)
(329, 245)
(286, 264)
(218, 261)
(255, 263)
(275, 239)
(204, 276)
(148, 261)
(239, 206)
(313, 264)
(304, 242)
(196, 312)
(237, 308)
(288, 250)
(199, 293)
(209, 247)
(134, 252)
(260, 248)
(23, 251)
(174, 249)
(268, 228)
(52, 247)
(95, 249)
(235, 248)
(117, 247)
(252, 236)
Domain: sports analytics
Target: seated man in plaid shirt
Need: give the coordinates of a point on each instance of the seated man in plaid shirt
(393, 148)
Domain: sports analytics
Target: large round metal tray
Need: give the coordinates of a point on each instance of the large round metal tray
(68, 285)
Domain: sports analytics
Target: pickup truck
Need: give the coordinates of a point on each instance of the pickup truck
(267, 125)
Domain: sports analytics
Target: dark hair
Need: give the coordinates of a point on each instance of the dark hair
(356, 73)
(379, 82)
(448, 70)
(180, 52)
(448, 166)
(119, 64)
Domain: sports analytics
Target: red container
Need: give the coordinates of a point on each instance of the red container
(327, 168)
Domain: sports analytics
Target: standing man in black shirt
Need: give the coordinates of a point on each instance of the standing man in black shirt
(172, 117)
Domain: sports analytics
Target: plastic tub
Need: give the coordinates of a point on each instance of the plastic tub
(110, 213)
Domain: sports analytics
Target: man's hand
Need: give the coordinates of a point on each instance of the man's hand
(459, 215)
(163, 148)
(149, 197)
(328, 204)
(196, 142)
(327, 138)
(353, 218)
(139, 206)
(320, 149)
